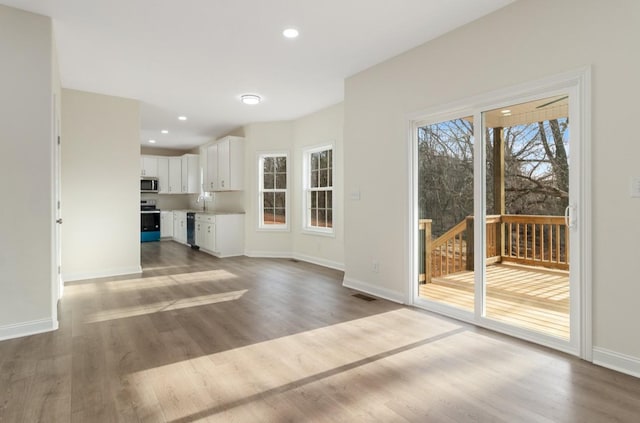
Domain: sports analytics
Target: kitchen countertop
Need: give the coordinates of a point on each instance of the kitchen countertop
(211, 212)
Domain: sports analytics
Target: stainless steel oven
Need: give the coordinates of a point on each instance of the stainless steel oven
(149, 221)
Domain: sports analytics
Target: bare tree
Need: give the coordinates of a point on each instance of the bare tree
(536, 170)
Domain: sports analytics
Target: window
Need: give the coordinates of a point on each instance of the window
(318, 185)
(274, 199)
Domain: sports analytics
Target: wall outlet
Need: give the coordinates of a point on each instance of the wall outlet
(375, 266)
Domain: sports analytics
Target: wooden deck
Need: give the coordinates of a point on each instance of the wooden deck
(528, 297)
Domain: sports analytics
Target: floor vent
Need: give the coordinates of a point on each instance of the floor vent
(364, 297)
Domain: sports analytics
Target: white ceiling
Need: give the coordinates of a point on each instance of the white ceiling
(196, 57)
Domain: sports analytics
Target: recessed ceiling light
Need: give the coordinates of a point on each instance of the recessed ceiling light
(164, 131)
(152, 141)
(290, 33)
(250, 99)
(505, 111)
(182, 118)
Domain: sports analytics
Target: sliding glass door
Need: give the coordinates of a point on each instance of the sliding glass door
(445, 204)
(527, 237)
(495, 206)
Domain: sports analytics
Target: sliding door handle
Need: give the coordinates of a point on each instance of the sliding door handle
(569, 216)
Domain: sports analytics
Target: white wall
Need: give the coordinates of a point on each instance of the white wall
(259, 138)
(525, 41)
(322, 127)
(26, 174)
(100, 185)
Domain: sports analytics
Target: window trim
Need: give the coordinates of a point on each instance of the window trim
(306, 190)
(260, 199)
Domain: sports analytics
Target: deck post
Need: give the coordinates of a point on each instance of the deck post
(427, 250)
(498, 186)
(470, 240)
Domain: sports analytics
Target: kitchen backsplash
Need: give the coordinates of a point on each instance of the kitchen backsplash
(219, 201)
(169, 202)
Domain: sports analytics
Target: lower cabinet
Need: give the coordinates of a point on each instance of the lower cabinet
(205, 232)
(180, 226)
(166, 224)
(229, 235)
(221, 235)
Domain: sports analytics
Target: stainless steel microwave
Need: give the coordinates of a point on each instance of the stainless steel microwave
(148, 184)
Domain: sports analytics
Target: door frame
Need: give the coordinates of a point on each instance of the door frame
(577, 84)
(58, 285)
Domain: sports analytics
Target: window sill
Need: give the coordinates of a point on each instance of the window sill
(319, 232)
(273, 229)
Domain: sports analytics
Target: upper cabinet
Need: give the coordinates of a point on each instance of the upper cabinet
(211, 180)
(176, 175)
(225, 165)
(148, 166)
(190, 174)
(163, 175)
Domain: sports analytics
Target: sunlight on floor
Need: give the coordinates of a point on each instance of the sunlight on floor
(161, 281)
(238, 383)
(160, 306)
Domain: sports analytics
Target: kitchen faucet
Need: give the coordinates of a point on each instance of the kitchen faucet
(204, 201)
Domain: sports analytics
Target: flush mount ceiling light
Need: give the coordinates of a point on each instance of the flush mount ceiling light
(505, 111)
(250, 99)
(290, 33)
(152, 141)
(164, 131)
(182, 118)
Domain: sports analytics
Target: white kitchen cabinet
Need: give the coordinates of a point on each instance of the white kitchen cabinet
(205, 232)
(166, 224)
(148, 166)
(231, 164)
(229, 235)
(180, 226)
(221, 235)
(163, 175)
(225, 165)
(175, 175)
(211, 180)
(190, 174)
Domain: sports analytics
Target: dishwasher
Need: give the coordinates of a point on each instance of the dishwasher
(191, 230)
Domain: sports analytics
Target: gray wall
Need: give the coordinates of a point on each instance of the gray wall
(100, 185)
(26, 174)
(523, 42)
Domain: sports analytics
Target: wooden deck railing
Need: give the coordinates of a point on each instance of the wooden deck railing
(536, 241)
(525, 239)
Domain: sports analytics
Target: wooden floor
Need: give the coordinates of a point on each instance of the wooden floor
(528, 297)
(262, 340)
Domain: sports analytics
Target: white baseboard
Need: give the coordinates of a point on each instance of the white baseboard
(268, 254)
(616, 361)
(70, 277)
(289, 255)
(18, 330)
(368, 288)
(320, 261)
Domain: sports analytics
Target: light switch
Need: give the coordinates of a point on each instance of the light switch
(635, 187)
(355, 195)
